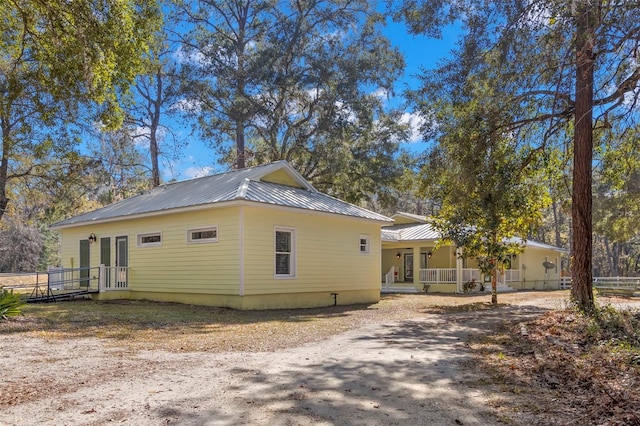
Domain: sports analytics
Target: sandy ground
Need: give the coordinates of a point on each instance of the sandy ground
(400, 373)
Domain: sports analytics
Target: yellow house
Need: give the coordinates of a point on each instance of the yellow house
(411, 263)
(255, 238)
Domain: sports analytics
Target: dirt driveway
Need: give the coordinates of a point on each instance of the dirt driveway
(404, 372)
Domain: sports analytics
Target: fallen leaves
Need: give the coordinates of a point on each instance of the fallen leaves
(568, 368)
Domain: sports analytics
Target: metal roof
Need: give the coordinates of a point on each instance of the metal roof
(243, 184)
(425, 232)
(410, 216)
(409, 232)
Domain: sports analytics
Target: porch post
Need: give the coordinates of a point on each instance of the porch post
(458, 270)
(416, 266)
(101, 278)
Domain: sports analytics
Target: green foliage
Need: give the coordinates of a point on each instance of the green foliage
(10, 304)
(300, 81)
(617, 187)
(617, 328)
(488, 182)
(63, 64)
(543, 56)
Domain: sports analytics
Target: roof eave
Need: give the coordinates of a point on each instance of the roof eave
(218, 204)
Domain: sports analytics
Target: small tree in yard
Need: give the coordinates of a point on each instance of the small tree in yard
(489, 184)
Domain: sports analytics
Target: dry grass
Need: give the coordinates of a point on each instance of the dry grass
(177, 327)
(22, 280)
(565, 368)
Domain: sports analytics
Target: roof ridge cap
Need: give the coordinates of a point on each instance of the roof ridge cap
(241, 194)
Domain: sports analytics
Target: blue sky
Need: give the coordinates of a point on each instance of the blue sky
(419, 52)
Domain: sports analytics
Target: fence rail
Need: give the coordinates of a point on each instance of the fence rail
(566, 282)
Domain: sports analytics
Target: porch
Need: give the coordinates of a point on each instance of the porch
(420, 266)
(444, 280)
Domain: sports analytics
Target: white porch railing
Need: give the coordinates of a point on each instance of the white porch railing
(438, 275)
(512, 275)
(471, 274)
(449, 275)
(115, 278)
(389, 277)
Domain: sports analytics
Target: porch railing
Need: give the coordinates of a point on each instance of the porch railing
(389, 277)
(73, 278)
(512, 275)
(449, 275)
(469, 274)
(438, 275)
(115, 278)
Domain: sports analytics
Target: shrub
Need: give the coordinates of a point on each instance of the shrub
(10, 304)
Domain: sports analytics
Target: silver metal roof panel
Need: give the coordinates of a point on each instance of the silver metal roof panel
(241, 184)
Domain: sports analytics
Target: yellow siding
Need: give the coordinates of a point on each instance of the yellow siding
(532, 271)
(327, 253)
(175, 266)
(282, 177)
(260, 301)
(328, 258)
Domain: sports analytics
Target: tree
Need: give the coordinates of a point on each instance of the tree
(63, 62)
(303, 82)
(616, 194)
(120, 171)
(21, 248)
(487, 181)
(560, 62)
(156, 96)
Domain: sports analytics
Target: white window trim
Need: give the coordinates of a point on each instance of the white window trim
(139, 237)
(293, 261)
(368, 244)
(203, 240)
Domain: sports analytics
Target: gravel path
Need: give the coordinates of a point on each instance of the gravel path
(408, 372)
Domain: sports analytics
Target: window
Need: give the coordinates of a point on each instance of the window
(285, 253)
(202, 235)
(365, 244)
(152, 239)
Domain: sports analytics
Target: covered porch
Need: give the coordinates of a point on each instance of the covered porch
(425, 269)
(412, 263)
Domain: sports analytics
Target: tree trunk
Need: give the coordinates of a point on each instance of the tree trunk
(582, 291)
(4, 169)
(153, 137)
(240, 144)
(494, 284)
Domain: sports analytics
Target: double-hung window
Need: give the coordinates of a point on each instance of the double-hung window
(365, 244)
(285, 261)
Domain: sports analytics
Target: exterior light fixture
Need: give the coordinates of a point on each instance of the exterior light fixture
(398, 255)
(92, 238)
(429, 254)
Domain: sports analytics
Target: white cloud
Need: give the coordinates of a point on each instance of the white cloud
(415, 121)
(187, 105)
(196, 172)
(195, 57)
(381, 93)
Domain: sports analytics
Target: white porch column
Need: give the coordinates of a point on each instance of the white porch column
(459, 270)
(416, 266)
(102, 275)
